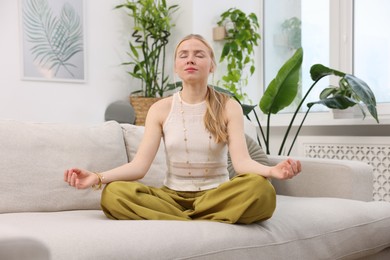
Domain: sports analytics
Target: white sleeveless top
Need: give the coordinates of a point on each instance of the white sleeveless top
(204, 166)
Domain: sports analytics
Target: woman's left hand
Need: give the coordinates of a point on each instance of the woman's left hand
(286, 169)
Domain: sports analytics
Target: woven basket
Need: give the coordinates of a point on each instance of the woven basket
(141, 107)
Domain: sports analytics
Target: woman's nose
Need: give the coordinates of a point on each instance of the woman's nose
(190, 62)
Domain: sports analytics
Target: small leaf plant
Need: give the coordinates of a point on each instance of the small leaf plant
(238, 49)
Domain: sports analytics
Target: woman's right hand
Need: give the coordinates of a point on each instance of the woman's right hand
(80, 179)
(286, 169)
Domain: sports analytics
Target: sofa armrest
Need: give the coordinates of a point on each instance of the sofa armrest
(328, 178)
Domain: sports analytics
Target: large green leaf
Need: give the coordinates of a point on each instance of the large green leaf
(326, 92)
(246, 109)
(284, 87)
(318, 71)
(364, 93)
(336, 102)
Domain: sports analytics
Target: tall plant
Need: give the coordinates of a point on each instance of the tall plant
(238, 49)
(152, 23)
(283, 88)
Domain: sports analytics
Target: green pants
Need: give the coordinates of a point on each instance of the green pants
(244, 199)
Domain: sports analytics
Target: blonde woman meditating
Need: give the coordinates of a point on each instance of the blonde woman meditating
(199, 126)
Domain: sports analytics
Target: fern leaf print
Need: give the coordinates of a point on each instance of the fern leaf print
(53, 39)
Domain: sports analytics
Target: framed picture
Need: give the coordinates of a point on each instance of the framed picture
(53, 40)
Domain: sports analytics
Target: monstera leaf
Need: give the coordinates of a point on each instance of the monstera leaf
(350, 92)
(55, 40)
(283, 89)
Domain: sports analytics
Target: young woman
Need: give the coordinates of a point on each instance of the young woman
(198, 126)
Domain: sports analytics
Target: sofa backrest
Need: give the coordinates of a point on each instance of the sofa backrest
(133, 135)
(34, 156)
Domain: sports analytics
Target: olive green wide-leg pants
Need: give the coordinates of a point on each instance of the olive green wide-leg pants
(244, 199)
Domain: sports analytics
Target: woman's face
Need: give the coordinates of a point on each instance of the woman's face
(193, 62)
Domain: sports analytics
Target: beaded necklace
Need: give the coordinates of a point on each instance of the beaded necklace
(185, 135)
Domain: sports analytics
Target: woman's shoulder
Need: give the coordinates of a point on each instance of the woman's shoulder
(233, 109)
(231, 103)
(161, 108)
(163, 103)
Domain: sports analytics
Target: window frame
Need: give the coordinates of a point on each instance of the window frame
(341, 57)
(342, 46)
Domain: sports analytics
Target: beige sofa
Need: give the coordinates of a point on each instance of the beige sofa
(324, 213)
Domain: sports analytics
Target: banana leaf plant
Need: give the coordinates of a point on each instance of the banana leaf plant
(283, 89)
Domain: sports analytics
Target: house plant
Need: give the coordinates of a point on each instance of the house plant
(152, 23)
(282, 90)
(292, 29)
(238, 48)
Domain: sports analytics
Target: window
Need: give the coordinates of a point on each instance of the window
(372, 45)
(349, 35)
(290, 25)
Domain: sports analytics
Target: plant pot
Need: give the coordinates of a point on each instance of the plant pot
(141, 107)
(351, 112)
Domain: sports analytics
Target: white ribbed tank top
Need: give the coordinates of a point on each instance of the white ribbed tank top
(207, 160)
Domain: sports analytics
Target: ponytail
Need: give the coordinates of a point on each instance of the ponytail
(214, 118)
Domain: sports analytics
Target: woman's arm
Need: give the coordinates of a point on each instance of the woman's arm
(139, 166)
(241, 160)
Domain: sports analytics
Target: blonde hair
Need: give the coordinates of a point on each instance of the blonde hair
(214, 118)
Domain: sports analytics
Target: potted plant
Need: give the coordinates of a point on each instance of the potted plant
(152, 23)
(282, 90)
(238, 48)
(292, 31)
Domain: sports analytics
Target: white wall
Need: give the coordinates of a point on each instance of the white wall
(107, 31)
(65, 102)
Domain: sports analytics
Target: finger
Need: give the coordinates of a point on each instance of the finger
(77, 183)
(294, 166)
(299, 166)
(288, 173)
(73, 173)
(73, 179)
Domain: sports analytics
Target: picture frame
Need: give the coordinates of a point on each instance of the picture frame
(53, 40)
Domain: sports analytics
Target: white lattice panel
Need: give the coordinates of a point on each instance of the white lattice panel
(373, 150)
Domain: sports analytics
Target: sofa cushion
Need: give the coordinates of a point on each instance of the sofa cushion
(301, 228)
(156, 174)
(255, 152)
(34, 156)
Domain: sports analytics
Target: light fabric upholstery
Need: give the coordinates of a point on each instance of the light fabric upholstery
(16, 245)
(133, 136)
(301, 228)
(34, 156)
(255, 152)
(328, 178)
